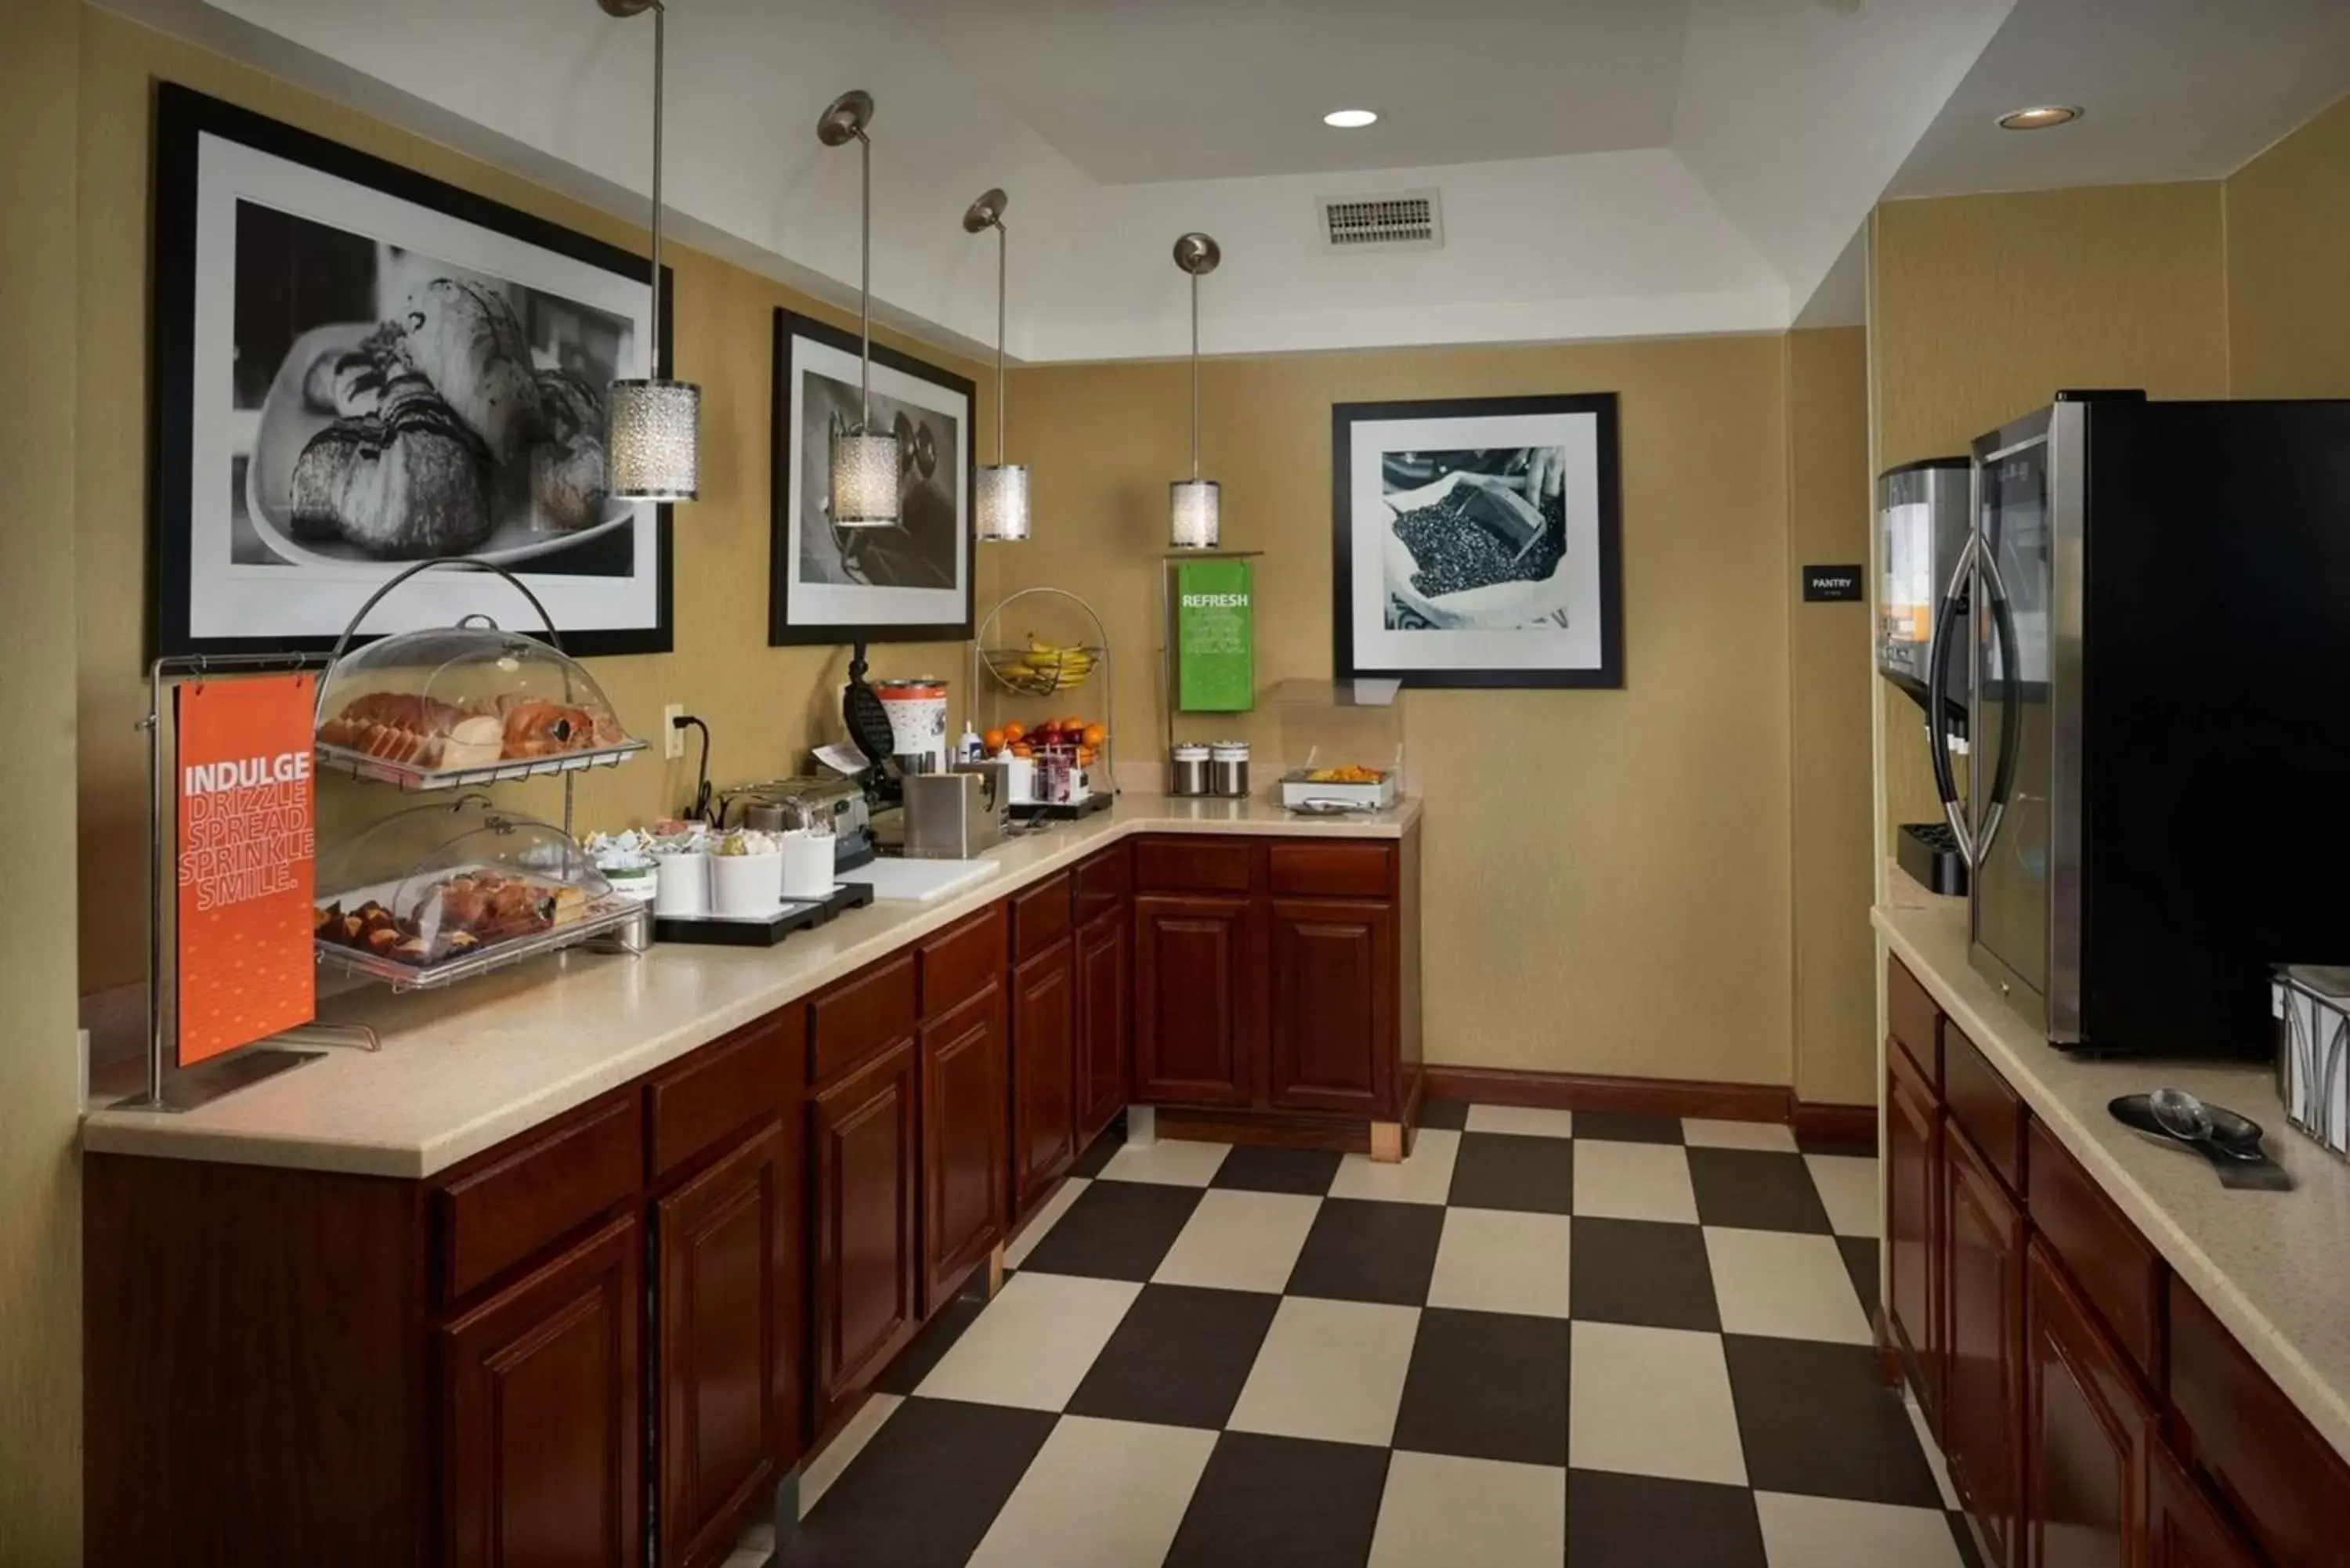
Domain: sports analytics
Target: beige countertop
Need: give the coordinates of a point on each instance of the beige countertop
(466, 1068)
(2273, 1266)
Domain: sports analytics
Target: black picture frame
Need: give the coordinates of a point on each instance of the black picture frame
(1607, 671)
(786, 459)
(182, 116)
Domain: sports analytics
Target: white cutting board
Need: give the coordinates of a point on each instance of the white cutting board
(920, 881)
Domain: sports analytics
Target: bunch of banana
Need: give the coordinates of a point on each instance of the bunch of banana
(1051, 667)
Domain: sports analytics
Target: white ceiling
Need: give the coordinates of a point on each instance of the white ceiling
(2174, 89)
(1132, 90)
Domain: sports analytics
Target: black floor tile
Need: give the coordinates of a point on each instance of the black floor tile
(1966, 1540)
(1617, 1127)
(925, 1488)
(1503, 1170)
(1861, 1262)
(1645, 1521)
(1114, 1231)
(1282, 1500)
(1813, 1419)
(1255, 1169)
(1486, 1385)
(1640, 1271)
(1447, 1114)
(1098, 1154)
(1179, 1358)
(1756, 1189)
(938, 1337)
(1364, 1251)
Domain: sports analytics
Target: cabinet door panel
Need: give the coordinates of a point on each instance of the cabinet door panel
(540, 1430)
(2086, 1426)
(1104, 998)
(2184, 1529)
(722, 1241)
(868, 1254)
(965, 1104)
(1043, 1057)
(1982, 1366)
(1331, 1003)
(1913, 1187)
(1191, 1000)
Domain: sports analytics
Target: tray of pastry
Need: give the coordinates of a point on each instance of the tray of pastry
(441, 893)
(457, 707)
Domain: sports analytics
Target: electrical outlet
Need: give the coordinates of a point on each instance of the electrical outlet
(672, 738)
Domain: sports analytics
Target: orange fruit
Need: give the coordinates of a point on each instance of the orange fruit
(993, 741)
(1023, 749)
(1096, 734)
(1015, 730)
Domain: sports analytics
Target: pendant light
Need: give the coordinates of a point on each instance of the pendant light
(1000, 494)
(863, 460)
(652, 426)
(1194, 504)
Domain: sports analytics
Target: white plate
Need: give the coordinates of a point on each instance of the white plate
(287, 423)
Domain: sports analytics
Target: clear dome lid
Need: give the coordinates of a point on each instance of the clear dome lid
(455, 880)
(471, 704)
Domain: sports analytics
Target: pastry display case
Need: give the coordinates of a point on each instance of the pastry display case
(1341, 743)
(442, 892)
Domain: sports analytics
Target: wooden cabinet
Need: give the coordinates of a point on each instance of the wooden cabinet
(1913, 1229)
(1105, 1005)
(865, 1152)
(1193, 999)
(964, 1089)
(2087, 1429)
(2184, 1528)
(540, 1436)
(1044, 1071)
(724, 1245)
(1331, 1036)
(1983, 1359)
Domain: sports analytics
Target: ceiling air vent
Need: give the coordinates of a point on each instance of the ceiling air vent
(1399, 221)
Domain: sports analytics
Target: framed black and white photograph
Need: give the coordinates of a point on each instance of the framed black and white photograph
(1476, 542)
(908, 583)
(358, 367)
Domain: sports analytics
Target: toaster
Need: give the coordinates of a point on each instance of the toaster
(777, 805)
(954, 816)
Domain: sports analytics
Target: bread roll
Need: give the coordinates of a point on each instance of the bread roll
(466, 340)
(567, 468)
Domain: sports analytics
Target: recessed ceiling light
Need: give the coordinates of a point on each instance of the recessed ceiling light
(1351, 119)
(2042, 116)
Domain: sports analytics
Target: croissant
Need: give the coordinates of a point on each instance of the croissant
(566, 469)
(536, 729)
(406, 480)
(467, 341)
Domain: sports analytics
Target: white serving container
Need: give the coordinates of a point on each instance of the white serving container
(683, 890)
(746, 886)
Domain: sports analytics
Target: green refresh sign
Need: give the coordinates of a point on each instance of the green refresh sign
(1215, 637)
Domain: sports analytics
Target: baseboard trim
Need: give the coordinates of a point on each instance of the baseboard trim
(1825, 1124)
(1595, 1092)
(1205, 1125)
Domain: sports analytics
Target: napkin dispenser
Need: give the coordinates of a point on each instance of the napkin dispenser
(954, 816)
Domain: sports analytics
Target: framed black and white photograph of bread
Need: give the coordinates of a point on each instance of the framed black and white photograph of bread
(358, 367)
(1477, 542)
(909, 582)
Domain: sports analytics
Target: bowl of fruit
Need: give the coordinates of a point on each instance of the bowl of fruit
(1042, 668)
(1079, 735)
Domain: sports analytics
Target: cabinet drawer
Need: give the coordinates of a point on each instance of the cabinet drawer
(960, 962)
(858, 1017)
(495, 1217)
(1104, 882)
(1983, 1106)
(2120, 1274)
(1040, 917)
(1191, 866)
(719, 1088)
(1331, 870)
(1912, 1017)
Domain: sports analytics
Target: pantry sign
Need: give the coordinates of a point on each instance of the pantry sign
(247, 819)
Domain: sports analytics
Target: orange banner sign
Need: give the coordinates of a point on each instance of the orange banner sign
(247, 814)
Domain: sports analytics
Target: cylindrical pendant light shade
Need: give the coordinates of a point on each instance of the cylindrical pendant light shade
(649, 445)
(864, 480)
(1194, 514)
(1001, 502)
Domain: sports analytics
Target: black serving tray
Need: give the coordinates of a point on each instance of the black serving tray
(740, 931)
(1928, 851)
(1038, 811)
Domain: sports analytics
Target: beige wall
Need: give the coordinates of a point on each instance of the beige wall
(764, 704)
(40, 1236)
(2288, 265)
(1983, 307)
(1607, 872)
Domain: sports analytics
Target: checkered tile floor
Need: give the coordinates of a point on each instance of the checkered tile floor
(1545, 1338)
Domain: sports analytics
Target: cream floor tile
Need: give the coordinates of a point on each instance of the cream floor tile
(1702, 1133)
(1100, 1494)
(1830, 1532)
(1329, 1369)
(1068, 1192)
(1792, 1286)
(1169, 1161)
(1847, 1184)
(1034, 1343)
(1492, 1261)
(826, 1468)
(1238, 1241)
(1425, 1177)
(1439, 1511)
(1526, 1119)
(1634, 1181)
(1652, 1402)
